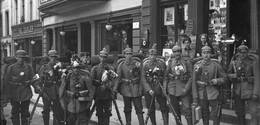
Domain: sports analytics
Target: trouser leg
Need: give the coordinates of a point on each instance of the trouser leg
(82, 118)
(214, 111)
(205, 111)
(25, 114)
(148, 99)
(139, 109)
(58, 112)
(15, 111)
(186, 103)
(164, 108)
(128, 109)
(46, 111)
(103, 109)
(175, 102)
(240, 110)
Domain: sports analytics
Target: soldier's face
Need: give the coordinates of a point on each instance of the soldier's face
(243, 54)
(186, 45)
(176, 54)
(102, 58)
(52, 58)
(152, 56)
(206, 55)
(20, 59)
(203, 39)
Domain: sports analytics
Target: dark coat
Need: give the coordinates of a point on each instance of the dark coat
(243, 84)
(17, 76)
(148, 77)
(103, 89)
(77, 83)
(206, 72)
(49, 80)
(177, 82)
(127, 72)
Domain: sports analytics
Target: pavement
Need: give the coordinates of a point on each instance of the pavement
(228, 117)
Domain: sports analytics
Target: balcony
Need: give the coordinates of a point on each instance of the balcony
(56, 7)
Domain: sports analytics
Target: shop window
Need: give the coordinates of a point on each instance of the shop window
(117, 38)
(173, 23)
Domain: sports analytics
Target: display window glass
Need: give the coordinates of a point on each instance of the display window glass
(174, 19)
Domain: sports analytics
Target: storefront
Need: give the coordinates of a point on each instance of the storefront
(170, 19)
(28, 36)
(86, 30)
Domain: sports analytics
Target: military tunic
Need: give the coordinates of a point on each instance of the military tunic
(130, 87)
(18, 76)
(152, 79)
(178, 85)
(77, 94)
(49, 83)
(244, 85)
(208, 94)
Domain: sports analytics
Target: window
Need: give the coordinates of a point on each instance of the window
(31, 11)
(7, 22)
(174, 18)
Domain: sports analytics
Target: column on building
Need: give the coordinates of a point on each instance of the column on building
(254, 25)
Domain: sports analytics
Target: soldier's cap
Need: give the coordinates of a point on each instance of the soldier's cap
(176, 48)
(128, 50)
(103, 53)
(206, 48)
(153, 49)
(242, 47)
(21, 53)
(53, 53)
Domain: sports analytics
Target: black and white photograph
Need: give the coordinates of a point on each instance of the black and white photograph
(130, 62)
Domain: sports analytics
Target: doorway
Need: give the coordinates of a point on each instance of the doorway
(239, 16)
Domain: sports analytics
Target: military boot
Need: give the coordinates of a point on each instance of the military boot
(241, 120)
(46, 119)
(16, 121)
(128, 118)
(25, 121)
(140, 119)
(152, 118)
(100, 120)
(106, 120)
(165, 117)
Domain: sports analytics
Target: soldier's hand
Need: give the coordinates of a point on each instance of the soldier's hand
(214, 82)
(195, 101)
(254, 97)
(114, 95)
(151, 92)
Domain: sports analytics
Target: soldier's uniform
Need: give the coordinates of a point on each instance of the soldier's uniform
(208, 77)
(19, 76)
(103, 93)
(243, 72)
(129, 86)
(152, 75)
(178, 84)
(49, 83)
(77, 93)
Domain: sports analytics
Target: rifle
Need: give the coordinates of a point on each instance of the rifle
(178, 119)
(117, 112)
(41, 94)
(149, 110)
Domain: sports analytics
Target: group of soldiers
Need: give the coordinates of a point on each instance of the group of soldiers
(72, 92)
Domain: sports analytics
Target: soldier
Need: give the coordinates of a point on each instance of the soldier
(208, 77)
(187, 52)
(178, 84)
(49, 83)
(129, 85)
(242, 73)
(19, 76)
(77, 90)
(152, 76)
(103, 81)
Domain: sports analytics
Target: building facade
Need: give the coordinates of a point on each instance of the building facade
(88, 26)
(26, 26)
(6, 32)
